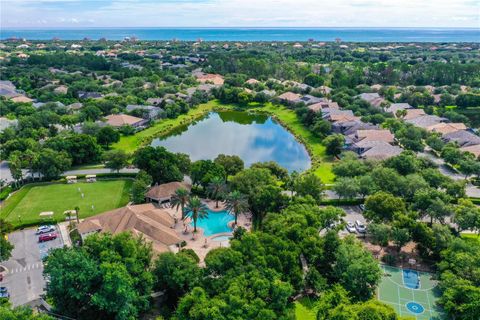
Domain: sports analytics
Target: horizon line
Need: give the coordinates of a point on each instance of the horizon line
(234, 27)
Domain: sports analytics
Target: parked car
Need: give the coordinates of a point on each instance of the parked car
(360, 227)
(45, 229)
(350, 227)
(47, 237)
(362, 207)
(4, 293)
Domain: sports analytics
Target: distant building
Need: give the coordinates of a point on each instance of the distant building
(151, 111)
(7, 123)
(89, 95)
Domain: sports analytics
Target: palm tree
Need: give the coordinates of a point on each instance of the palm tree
(216, 188)
(77, 212)
(196, 209)
(236, 203)
(179, 199)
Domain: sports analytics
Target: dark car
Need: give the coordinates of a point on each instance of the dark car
(47, 237)
(4, 293)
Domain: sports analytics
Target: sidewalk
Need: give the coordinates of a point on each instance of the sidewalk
(63, 228)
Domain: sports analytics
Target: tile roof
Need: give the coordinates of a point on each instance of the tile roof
(118, 120)
(166, 190)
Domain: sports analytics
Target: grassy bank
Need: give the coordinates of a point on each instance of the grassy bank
(25, 205)
(321, 162)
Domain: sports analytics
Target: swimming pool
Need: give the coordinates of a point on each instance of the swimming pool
(216, 222)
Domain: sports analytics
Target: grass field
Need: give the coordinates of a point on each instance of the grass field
(23, 207)
(304, 309)
(393, 291)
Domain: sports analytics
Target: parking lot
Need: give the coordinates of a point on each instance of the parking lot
(23, 277)
(353, 213)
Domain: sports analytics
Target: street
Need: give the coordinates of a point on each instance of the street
(23, 277)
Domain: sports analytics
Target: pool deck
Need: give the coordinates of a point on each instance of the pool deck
(202, 244)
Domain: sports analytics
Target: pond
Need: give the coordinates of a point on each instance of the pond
(252, 137)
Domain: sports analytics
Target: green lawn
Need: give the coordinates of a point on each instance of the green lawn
(304, 309)
(24, 206)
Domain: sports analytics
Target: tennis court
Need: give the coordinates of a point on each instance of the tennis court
(410, 293)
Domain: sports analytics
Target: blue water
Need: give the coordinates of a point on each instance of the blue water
(411, 279)
(216, 222)
(254, 138)
(255, 34)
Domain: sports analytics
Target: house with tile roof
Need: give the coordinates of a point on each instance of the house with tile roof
(463, 138)
(120, 120)
(153, 224)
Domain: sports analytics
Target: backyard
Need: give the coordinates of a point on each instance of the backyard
(24, 206)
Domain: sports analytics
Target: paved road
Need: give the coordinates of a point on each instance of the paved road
(23, 278)
(97, 171)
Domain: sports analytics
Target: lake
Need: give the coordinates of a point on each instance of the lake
(255, 34)
(252, 137)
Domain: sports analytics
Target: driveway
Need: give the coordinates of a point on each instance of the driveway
(23, 278)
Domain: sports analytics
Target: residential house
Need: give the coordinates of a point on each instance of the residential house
(161, 193)
(150, 111)
(317, 107)
(120, 120)
(426, 121)
(61, 90)
(475, 150)
(252, 81)
(373, 98)
(145, 220)
(89, 95)
(75, 106)
(309, 99)
(463, 138)
(209, 78)
(394, 107)
(8, 89)
(379, 150)
(413, 113)
(444, 128)
(350, 127)
(289, 97)
(21, 99)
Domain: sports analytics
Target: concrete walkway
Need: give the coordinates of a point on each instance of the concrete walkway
(63, 228)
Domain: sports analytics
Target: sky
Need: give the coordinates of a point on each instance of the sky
(239, 13)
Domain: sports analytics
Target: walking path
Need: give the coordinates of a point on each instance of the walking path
(63, 228)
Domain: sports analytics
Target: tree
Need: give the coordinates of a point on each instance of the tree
(469, 167)
(216, 189)
(141, 184)
(161, 165)
(176, 275)
(116, 159)
(334, 144)
(267, 198)
(347, 188)
(278, 171)
(81, 148)
(203, 171)
(231, 164)
(196, 209)
(21, 313)
(106, 278)
(309, 185)
(5, 246)
(236, 203)
(379, 233)
(400, 236)
(179, 200)
(107, 135)
(383, 207)
(467, 216)
(356, 269)
(15, 166)
(51, 164)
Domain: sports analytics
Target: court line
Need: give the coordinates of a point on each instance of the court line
(402, 304)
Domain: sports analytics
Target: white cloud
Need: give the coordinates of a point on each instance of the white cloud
(247, 13)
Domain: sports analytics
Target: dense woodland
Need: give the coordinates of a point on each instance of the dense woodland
(407, 199)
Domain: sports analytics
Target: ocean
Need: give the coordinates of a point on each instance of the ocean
(254, 34)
